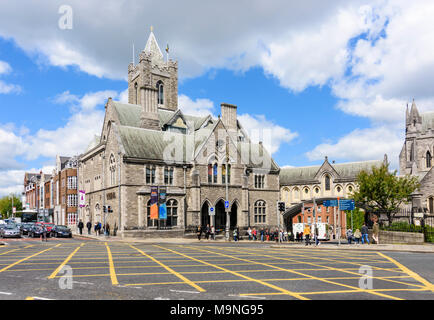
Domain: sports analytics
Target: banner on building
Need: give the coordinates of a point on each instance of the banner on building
(154, 202)
(82, 197)
(162, 203)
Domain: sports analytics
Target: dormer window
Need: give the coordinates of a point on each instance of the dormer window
(160, 88)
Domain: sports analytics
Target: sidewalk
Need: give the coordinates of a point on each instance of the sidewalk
(138, 240)
(419, 248)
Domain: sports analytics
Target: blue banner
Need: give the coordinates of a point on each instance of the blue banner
(162, 213)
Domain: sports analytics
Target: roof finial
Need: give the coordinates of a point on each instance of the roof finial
(152, 28)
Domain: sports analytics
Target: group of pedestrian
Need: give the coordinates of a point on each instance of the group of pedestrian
(98, 228)
(362, 236)
(208, 231)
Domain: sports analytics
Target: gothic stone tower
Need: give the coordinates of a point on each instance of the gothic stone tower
(153, 84)
(416, 155)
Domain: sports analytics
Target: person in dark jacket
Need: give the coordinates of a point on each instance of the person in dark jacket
(207, 232)
(107, 229)
(365, 234)
(80, 226)
(199, 233)
(89, 226)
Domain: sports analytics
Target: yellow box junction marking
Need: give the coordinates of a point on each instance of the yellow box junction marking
(411, 273)
(180, 276)
(296, 272)
(290, 293)
(55, 272)
(113, 276)
(29, 257)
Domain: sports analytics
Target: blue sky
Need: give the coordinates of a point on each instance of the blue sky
(332, 83)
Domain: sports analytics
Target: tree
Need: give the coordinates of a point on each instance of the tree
(382, 191)
(358, 218)
(6, 205)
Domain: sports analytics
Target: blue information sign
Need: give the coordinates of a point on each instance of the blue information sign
(346, 205)
(226, 204)
(330, 203)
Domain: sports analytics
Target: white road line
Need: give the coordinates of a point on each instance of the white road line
(6, 293)
(39, 298)
(251, 297)
(180, 291)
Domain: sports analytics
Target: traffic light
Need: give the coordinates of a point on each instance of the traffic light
(281, 206)
(109, 209)
(104, 209)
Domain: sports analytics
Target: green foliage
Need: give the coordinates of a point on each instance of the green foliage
(406, 227)
(358, 219)
(6, 205)
(381, 191)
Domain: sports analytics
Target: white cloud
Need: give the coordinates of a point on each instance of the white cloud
(4, 67)
(199, 107)
(12, 181)
(362, 144)
(260, 129)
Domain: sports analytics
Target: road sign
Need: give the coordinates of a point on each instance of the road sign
(330, 203)
(211, 211)
(346, 204)
(227, 204)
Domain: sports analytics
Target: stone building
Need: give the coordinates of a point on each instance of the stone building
(416, 157)
(329, 181)
(202, 161)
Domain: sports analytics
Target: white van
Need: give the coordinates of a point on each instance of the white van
(323, 230)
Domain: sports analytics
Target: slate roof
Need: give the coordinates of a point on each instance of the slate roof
(348, 170)
(427, 121)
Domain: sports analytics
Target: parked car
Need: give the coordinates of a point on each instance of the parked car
(61, 231)
(25, 227)
(48, 225)
(36, 231)
(10, 231)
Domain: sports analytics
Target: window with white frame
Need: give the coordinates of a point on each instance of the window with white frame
(72, 182)
(72, 219)
(150, 174)
(260, 211)
(168, 176)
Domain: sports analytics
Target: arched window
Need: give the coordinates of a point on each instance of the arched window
(214, 173)
(296, 193)
(112, 168)
(223, 173)
(428, 159)
(327, 182)
(431, 205)
(210, 173)
(172, 213)
(229, 173)
(160, 88)
(260, 211)
(136, 93)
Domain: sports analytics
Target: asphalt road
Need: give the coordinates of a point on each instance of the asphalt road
(88, 269)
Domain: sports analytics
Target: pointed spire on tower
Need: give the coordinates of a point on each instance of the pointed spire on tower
(153, 49)
(414, 114)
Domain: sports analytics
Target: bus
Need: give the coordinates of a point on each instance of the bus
(28, 215)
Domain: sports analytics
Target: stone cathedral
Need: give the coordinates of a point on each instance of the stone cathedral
(200, 161)
(416, 157)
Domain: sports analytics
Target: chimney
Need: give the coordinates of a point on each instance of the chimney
(229, 116)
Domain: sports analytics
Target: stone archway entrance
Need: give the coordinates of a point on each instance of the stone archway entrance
(220, 216)
(205, 218)
(233, 216)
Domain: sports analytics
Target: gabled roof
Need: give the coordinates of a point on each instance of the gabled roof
(348, 170)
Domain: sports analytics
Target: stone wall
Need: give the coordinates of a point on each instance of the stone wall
(390, 237)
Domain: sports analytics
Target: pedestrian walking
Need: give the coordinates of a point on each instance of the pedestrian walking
(297, 236)
(95, 228)
(262, 233)
(198, 233)
(80, 226)
(255, 234)
(317, 243)
(207, 232)
(267, 235)
(376, 232)
(349, 235)
(249, 233)
(99, 228)
(89, 226)
(44, 232)
(235, 234)
(213, 232)
(107, 229)
(307, 233)
(357, 236)
(365, 234)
